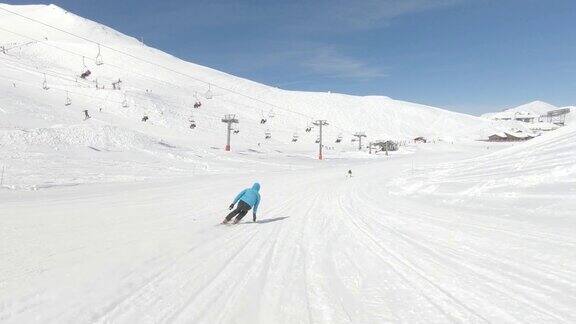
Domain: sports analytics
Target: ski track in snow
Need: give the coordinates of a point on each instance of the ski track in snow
(113, 220)
(328, 250)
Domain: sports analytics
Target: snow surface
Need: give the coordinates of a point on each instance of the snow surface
(112, 220)
(532, 109)
(37, 129)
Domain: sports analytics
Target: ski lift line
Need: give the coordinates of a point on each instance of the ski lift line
(60, 89)
(100, 99)
(103, 45)
(56, 87)
(160, 66)
(146, 76)
(16, 60)
(21, 45)
(153, 63)
(163, 82)
(34, 69)
(86, 84)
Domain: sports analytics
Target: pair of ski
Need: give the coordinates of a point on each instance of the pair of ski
(230, 223)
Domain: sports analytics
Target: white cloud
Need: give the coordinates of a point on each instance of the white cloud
(329, 62)
(372, 13)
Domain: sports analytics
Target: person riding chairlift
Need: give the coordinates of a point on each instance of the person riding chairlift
(85, 74)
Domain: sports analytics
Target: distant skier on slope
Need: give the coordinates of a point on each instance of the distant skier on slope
(246, 199)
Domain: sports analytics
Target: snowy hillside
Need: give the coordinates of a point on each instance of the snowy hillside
(545, 165)
(410, 239)
(37, 127)
(116, 218)
(532, 109)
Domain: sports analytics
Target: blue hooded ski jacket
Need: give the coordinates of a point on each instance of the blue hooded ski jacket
(251, 196)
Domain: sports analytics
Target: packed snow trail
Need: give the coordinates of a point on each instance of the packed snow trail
(326, 249)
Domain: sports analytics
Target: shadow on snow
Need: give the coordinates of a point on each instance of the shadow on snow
(268, 220)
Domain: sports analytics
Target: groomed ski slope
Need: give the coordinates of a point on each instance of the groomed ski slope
(112, 220)
(326, 249)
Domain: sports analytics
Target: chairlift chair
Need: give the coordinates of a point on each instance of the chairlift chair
(192, 122)
(98, 59)
(45, 83)
(125, 102)
(339, 138)
(85, 74)
(267, 135)
(116, 85)
(68, 100)
(208, 93)
(86, 71)
(263, 119)
(236, 130)
(294, 138)
(271, 113)
(197, 103)
(317, 140)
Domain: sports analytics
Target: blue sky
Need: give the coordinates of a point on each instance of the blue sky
(471, 56)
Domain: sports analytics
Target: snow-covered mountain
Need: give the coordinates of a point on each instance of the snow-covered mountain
(45, 46)
(172, 93)
(124, 225)
(531, 109)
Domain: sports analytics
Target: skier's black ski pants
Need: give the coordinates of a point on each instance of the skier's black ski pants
(241, 210)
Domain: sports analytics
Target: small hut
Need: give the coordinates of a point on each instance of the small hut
(420, 139)
(386, 145)
(507, 137)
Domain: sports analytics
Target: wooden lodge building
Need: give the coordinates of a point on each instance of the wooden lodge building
(507, 137)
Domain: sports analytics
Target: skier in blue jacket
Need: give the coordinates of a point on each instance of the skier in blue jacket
(247, 199)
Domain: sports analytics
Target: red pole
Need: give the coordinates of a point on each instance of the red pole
(320, 148)
(229, 128)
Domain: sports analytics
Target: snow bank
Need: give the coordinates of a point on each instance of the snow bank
(544, 166)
